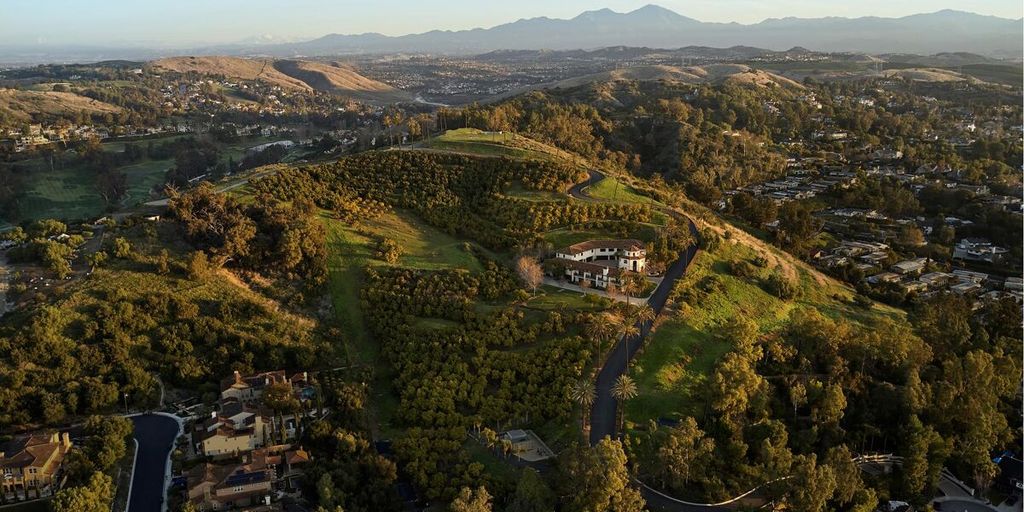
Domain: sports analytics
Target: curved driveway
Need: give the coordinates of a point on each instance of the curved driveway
(602, 414)
(155, 434)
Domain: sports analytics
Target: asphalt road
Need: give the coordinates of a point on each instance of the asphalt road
(156, 435)
(602, 416)
(603, 412)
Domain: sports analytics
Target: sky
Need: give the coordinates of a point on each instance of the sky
(170, 23)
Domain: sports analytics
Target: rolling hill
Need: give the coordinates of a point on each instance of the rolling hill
(24, 106)
(301, 75)
(708, 74)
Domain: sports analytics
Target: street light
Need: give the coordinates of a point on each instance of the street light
(126, 403)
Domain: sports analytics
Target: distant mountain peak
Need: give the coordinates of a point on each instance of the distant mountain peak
(596, 14)
(654, 26)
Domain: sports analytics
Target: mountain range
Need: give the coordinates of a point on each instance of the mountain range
(658, 27)
(650, 26)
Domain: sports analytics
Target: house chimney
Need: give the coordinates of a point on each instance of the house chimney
(238, 377)
(66, 439)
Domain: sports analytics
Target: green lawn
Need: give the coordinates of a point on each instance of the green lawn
(610, 189)
(68, 193)
(554, 298)
(144, 177)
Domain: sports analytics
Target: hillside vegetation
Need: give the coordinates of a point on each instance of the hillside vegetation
(712, 74)
(26, 106)
(299, 75)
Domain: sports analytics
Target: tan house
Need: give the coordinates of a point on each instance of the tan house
(249, 389)
(234, 430)
(33, 461)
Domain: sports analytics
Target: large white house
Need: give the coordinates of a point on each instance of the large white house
(601, 262)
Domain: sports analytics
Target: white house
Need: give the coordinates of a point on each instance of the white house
(974, 249)
(601, 262)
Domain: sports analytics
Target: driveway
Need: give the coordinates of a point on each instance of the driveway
(155, 435)
(602, 416)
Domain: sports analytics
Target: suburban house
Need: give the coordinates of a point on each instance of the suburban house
(242, 423)
(910, 267)
(884, 277)
(221, 487)
(974, 249)
(233, 430)
(249, 389)
(601, 262)
(937, 279)
(33, 461)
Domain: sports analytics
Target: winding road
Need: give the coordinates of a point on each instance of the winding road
(602, 416)
(603, 413)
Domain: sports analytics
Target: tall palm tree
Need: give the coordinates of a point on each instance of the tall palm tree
(624, 389)
(625, 329)
(584, 394)
(602, 328)
(643, 313)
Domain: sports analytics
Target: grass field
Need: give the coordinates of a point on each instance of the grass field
(672, 370)
(554, 298)
(68, 193)
(610, 189)
(568, 236)
(477, 142)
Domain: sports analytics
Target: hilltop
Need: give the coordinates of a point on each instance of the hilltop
(712, 74)
(298, 75)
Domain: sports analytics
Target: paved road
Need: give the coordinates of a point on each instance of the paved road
(602, 416)
(156, 435)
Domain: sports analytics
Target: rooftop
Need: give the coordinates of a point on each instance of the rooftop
(628, 244)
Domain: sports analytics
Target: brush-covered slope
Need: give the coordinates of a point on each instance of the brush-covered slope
(26, 106)
(301, 75)
(710, 74)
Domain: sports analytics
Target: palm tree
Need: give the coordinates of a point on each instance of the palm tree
(643, 313)
(627, 284)
(602, 328)
(625, 329)
(624, 389)
(584, 394)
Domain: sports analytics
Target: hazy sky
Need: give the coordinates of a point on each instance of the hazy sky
(186, 22)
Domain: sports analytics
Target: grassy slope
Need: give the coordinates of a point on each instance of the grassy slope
(477, 142)
(565, 236)
(610, 189)
(349, 253)
(684, 349)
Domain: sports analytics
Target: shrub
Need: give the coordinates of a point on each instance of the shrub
(388, 250)
(780, 286)
(742, 268)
